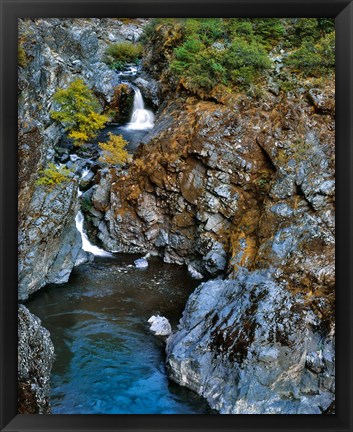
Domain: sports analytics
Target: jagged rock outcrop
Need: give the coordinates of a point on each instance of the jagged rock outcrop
(214, 181)
(150, 89)
(35, 359)
(49, 243)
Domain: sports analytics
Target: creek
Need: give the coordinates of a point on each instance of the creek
(107, 359)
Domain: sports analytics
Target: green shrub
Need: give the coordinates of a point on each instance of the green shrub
(204, 66)
(326, 25)
(234, 51)
(78, 112)
(245, 61)
(301, 30)
(268, 31)
(53, 175)
(86, 204)
(208, 30)
(200, 66)
(220, 51)
(314, 59)
(118, 54)
(287, 86)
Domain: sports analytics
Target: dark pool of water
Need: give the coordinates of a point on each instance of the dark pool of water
(133, 137)
(107, 360)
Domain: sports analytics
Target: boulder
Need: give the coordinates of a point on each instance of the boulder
(141, 263)
(160, 325)
(250, 347)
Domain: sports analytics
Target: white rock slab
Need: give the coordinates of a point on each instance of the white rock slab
(160, 325)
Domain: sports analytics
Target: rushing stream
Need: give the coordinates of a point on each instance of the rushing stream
(107, 359)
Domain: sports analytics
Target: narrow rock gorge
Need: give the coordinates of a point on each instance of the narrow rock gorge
(235, 180)
(54, 52)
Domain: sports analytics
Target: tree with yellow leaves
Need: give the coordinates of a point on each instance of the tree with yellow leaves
(78, 112)
(114, 152)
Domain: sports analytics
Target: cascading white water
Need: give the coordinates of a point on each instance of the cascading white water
(86, 244)
(141, 118)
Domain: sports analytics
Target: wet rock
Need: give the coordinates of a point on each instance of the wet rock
(101, 192)
(315, 362)
(247, 344)
(35, 359)
(83, 257)
(141, 263)
(86, 180)
(160, 325)
(150, 89)
(194, 273)
(215, 261)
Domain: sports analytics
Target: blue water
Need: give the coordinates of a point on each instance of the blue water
(107, 360)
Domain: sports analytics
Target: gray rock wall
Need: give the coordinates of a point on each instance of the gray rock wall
(49, 242)
(35, 359)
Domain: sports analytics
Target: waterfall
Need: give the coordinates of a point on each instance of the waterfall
(79, 219)
(86, 245)
(141, 118)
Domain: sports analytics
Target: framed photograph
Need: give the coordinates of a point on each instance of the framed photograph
(170, 244)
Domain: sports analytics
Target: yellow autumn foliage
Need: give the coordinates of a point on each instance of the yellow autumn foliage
(78, 112)
(114, 152)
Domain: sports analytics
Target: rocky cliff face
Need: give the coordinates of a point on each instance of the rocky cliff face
(49, 243)
(217, 181)
(243, 189)
(35, 358)
(55, 52)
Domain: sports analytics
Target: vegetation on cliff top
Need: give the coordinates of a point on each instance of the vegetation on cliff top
(118, 54)
(78, 112)
(237, 52)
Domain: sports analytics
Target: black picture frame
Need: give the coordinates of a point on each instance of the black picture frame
(10, 11)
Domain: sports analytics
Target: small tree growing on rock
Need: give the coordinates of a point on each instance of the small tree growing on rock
(78, 112)
(54, 175)
(114, 152)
